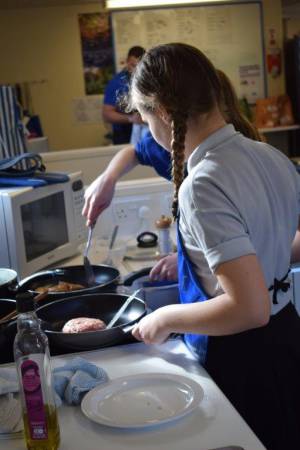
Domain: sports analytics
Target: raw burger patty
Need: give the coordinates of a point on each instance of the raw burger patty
(82, 324)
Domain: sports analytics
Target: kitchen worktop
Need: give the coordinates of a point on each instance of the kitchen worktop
(127, 266)
(213, 424)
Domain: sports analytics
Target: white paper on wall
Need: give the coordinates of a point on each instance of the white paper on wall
(87, 110)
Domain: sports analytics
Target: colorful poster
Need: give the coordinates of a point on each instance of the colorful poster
(97, 50)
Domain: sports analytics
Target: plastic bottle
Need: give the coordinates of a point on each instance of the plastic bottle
(31, 352)
(164, 239)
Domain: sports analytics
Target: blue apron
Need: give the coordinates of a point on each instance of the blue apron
(190, 291)
(258, 370)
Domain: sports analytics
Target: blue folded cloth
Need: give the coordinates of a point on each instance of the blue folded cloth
(35, 180)
(71, 381)
(19, 181)
(76, 378)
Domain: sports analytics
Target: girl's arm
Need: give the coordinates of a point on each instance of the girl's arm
(99, 194)
(244, 305)
(295, 255)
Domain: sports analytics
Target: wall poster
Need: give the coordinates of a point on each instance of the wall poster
(97, 50)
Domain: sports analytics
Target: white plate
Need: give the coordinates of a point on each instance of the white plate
(142, 400)
(12, 435)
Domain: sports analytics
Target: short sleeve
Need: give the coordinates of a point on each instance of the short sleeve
(218, 227)
(150, 153)
(141, 152)
(110, 97)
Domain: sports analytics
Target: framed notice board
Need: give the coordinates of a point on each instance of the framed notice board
(231, 35)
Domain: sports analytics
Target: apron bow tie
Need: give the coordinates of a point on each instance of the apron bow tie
(279, 285)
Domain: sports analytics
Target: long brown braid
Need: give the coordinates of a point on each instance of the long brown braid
(231, 111)
(179, 128)
(182, 80)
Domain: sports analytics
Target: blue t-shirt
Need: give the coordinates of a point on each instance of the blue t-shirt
(150, 153)
(118, 86)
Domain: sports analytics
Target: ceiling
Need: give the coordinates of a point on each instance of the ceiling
(12, 4)
(290, 2)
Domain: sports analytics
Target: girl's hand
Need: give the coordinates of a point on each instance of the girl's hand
(165, 269)
(98, 197)
(152, 329)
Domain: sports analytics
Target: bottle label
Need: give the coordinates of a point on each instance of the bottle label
(33, 394)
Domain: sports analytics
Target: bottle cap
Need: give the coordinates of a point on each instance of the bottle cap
(25, 302)
(163, 222)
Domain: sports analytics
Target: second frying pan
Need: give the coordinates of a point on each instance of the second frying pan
(106, 279)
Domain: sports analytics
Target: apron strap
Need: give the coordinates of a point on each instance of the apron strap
(279, 285)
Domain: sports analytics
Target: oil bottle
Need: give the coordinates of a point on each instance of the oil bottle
(32, 358)
(163, 225)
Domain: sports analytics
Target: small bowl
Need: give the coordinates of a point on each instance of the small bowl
(8, 283)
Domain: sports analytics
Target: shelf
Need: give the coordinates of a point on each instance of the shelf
(278, 129)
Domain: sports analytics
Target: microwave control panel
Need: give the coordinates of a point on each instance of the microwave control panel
(78, 202)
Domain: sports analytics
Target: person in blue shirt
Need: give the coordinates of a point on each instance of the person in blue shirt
(113, 112)
(149, 153)
(99, 194)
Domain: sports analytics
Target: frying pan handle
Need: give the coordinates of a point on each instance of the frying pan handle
(127, 329)
(128, 280)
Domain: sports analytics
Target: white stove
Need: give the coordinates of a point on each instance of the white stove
(135, 207)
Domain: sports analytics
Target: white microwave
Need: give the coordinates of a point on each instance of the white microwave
(40, 226)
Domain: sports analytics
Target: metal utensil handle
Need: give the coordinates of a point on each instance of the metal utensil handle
(86, 250)
(113, 237)
(122, 309)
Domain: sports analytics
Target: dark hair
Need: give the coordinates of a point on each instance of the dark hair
(136, 52)
(184, 81)
(230, 109)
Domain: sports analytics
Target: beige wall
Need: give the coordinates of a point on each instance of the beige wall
(292, 27)
(44, 44)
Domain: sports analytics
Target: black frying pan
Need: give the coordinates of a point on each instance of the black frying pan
(100, 306)
(6, 334)
(106, 279)
(6, 306)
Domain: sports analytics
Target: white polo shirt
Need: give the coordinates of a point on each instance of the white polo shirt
(240, 197)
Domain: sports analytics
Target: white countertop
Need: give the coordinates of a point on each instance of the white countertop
(215, 423)
(127, 266)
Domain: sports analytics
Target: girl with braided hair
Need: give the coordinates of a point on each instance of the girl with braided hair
(148, 152)
(237, 213)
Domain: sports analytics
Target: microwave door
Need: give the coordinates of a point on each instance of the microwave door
(44, 225)
(42, 228)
